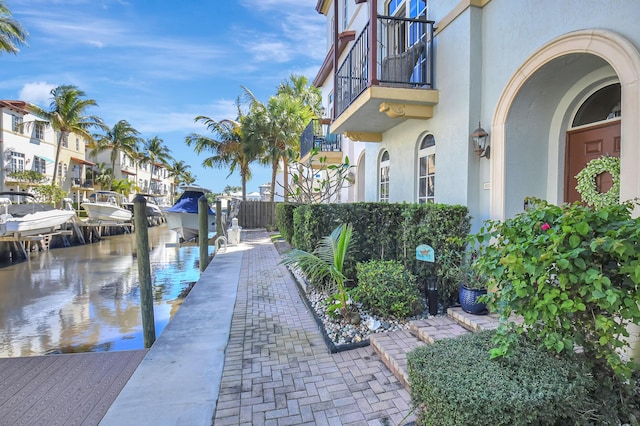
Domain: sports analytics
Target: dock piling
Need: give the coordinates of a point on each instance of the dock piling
(203, 231)
(144, 270)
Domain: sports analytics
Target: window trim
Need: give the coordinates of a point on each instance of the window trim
(384, 169)
(425, 152)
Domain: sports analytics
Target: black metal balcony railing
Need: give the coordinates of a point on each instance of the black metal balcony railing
(403, 58)
(313, 137)
(84, 183)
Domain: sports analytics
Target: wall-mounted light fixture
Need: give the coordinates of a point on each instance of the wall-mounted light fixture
(480, 140)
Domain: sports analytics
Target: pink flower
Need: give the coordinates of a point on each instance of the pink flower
(545, 227)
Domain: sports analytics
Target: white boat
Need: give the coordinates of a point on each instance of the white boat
(153, 209)
(22, 215)
(182, 217)
(106, 206)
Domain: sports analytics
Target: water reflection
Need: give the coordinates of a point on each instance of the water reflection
(87, 298)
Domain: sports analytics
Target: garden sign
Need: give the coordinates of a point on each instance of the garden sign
(425, 253)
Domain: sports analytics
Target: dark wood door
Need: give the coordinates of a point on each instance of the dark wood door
(583, 146)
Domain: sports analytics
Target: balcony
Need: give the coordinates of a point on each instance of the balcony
(81, 183)
(317, 136)
(376, 89)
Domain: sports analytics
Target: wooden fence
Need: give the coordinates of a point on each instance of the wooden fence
(257, 214)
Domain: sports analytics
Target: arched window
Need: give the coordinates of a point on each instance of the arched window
(427, 170)
(384, 178)
(602, 105)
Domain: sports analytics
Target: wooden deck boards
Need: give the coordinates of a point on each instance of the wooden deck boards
(70, 389)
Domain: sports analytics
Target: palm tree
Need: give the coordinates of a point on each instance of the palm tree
(124, 186)
(11, 32)
(156, 152)
(298, 87)
(122, 138)
(228, 146)
(103, 176)
(276, 127)
(67, 115)
(177, 170)
(327, 263)
(188, 178)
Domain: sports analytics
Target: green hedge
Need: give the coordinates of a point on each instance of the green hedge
(386, 288)
(387, 231)
(454, 382)
(284, 219)
(445, 228)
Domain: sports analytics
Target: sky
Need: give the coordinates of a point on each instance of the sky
(159, 63)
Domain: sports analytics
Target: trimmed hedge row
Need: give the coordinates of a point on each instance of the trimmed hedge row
(284, 220)
(454, 382)
(387, 231)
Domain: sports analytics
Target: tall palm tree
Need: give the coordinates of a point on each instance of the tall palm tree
(276, 127)
(228, 146)
(12, 33)
(177, 171)
(156, 152)
(298, 87)
(66, 115)
(121, 138)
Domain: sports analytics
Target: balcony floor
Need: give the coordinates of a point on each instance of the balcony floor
(379, 109)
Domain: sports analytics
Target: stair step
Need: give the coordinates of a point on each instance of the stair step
(436, 328)
(393, 347)
(474, 322)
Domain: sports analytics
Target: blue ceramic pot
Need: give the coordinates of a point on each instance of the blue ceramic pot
(468, 300)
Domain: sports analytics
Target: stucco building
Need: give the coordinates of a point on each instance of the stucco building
(554, 84)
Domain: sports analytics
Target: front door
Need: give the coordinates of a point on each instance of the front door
(584, 145)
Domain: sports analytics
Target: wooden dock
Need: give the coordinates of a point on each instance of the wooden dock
(69, 389)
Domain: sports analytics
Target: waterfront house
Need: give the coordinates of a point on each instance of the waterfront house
(26, 145)
(554, 84)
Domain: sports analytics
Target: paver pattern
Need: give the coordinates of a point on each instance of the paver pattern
(278, 370)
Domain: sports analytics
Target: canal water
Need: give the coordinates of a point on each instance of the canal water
(87, 298)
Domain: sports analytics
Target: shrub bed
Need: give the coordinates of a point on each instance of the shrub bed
(454, 382)
(388, 231)
(387, 289)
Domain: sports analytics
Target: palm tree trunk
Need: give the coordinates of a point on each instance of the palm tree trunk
(55, 163)
(274, 172)
(285, 170)
(244, 187)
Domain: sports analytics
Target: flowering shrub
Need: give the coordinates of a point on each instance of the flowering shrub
(572, 273)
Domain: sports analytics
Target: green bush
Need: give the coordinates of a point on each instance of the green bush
(453, 382)
(387, 289)
(284, 220)
(572, 273)
(389, 231)
(445, 228)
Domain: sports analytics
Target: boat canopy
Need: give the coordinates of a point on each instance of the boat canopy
(188, 203)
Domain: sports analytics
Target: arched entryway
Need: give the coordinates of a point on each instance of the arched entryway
(535, 114)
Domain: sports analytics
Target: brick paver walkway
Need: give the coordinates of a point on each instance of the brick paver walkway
(278, 370)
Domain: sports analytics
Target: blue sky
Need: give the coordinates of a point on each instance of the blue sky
(158, 63)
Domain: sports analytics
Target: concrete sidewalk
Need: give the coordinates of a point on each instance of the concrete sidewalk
(243, 349)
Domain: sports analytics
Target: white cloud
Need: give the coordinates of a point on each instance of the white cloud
(150, 122)
(38, 93)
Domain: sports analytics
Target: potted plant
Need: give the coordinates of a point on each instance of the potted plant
(472, 287)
